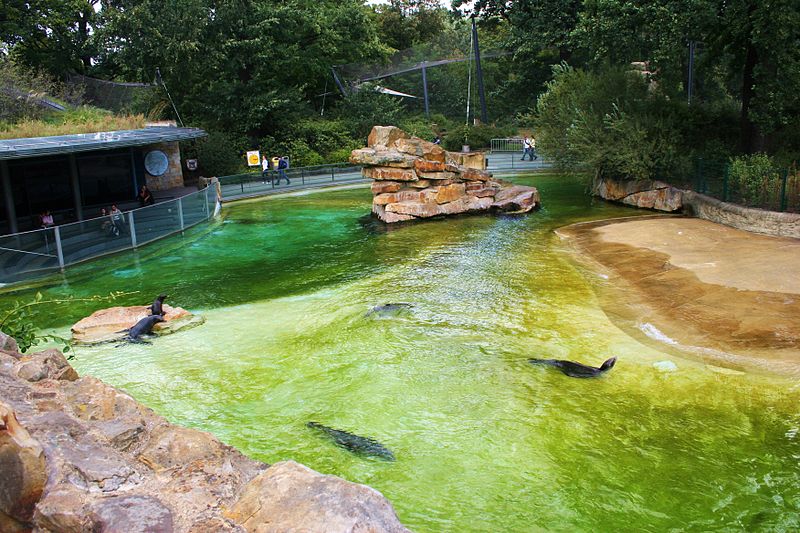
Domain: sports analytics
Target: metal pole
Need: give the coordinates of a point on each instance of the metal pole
(783, 190)
(690, 82)
(332, 171)
(479, 72)
(59, 251)
(180, 211)
(425, 89)
(75, 182)
(133, 228)
(11, 211)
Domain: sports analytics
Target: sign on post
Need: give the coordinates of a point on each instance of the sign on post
(253, 159)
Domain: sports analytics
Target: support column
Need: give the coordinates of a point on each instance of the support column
(425, 90)
(11, 211)
(76, 186)
(479, 72)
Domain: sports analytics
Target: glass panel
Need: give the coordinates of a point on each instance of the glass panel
(23, 254)
(194, 207)
(93, 237)
(156, 221)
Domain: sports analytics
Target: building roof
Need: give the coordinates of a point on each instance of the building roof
(85, 142)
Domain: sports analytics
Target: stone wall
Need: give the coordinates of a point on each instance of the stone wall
(173, 177)
(663, 197)
(78, 455)
(416, 179)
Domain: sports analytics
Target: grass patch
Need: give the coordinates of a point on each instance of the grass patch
(83, 119)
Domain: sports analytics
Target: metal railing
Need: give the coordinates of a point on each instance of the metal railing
(258, 183)
(27, 254)
(507, 145)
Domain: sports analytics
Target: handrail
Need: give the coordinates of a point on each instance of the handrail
(26, 252)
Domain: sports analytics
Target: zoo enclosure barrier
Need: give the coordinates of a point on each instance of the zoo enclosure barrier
(506, 145)
(24, 255)
(256, 183)
(774, 189)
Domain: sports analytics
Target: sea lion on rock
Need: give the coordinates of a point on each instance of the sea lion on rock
(355, 443)
(142, 327)
(387, 309)
(576, 370)
(158, 305)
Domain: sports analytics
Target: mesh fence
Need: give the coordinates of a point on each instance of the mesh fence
(29, 254)
(258, 183)
(111, 95)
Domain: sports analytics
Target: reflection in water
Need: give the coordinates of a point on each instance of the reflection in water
(483, 441)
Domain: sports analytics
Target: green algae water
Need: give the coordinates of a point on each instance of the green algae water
(484, 441)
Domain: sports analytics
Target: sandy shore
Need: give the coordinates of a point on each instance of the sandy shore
(727, 296)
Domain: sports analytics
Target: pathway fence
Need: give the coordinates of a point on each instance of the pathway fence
(31, 253)
(773, 189)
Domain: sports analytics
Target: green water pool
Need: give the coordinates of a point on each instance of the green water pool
(484, 441)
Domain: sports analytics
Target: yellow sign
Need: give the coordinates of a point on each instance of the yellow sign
(253, 159)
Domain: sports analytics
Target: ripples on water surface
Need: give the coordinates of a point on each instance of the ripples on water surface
(483, 440)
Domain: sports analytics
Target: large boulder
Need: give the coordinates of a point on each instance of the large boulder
(640, 193)
(291, 497)
(108, 325)
(23, 468)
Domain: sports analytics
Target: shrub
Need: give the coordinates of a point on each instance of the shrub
(219, 154)
(477, 137)
(755, 181)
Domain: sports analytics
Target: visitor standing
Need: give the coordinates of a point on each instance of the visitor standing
(145, 198)
(117, 220)
(46, 220)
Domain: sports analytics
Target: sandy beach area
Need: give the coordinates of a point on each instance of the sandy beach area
(729, 297)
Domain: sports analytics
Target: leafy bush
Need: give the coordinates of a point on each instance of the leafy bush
(366, 108)
(610, 122)
(219, 154)
(754, 180)
(477, 137)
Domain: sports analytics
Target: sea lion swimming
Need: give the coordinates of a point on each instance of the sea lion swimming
(387, 309)
(157, 308)
(142, 327)
(355, 443)
(576, 370)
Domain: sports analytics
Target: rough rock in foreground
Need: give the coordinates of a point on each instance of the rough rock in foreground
(418, 179)
(77, 455)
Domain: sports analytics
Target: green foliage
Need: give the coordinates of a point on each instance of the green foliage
(18, 321)
(219, 154)
(754, 179)
(477, 137)
(609, 122)
(366, 108)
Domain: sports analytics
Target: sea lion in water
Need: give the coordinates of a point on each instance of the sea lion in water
(576, 370)
(355, 443)
(158, 305)
(142, 327)
(386, 309)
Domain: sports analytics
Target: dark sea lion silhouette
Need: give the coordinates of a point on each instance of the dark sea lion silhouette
(158, 305)
(142, 327)
(576, 370)
(386, 309)
(355, 443)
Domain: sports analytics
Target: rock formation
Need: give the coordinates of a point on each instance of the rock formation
(640, 193)
(105, 325)
(78, 455)
(418, 179)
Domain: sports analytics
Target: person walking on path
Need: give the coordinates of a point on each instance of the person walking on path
(527, 148)
(283, 164)
(534, 157)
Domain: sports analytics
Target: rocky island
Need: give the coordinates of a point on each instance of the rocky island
(416, 179)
